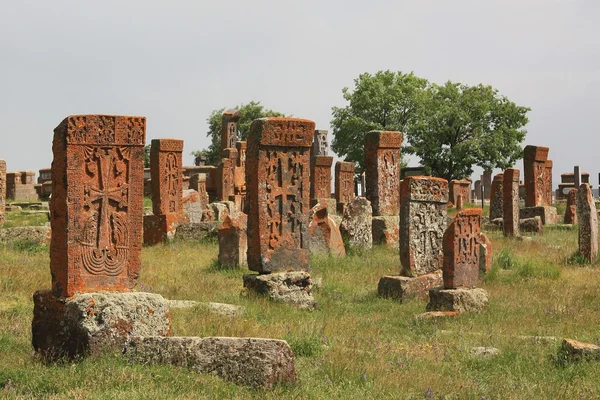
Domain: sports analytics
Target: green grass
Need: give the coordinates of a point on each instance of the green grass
(356, 345)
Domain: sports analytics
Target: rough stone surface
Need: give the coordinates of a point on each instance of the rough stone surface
(233, 241)
(193, 207)
(436, 315)
(195, 232)
(532, 225)
(277, 173)
(222, 209)
(320, 177)
(27, 234)
(386, 230)
(496, 199)
(484, 352)
(510, 202)
(97, 203)
(166, 171)
(461, 250)
(293, 288)
(344, 183)
(93, 323)
(404, 287)
(549, 215)
(459, 190)
(588, 223)
(423, 221)
(254, 362)
(485, 254)
(382, 171)
(20, 186)
(574, 350)
(538, 176)
(486, 181)
(460, 300)
(2, 191)
(320, 146)
(357, 224)
(571, 210)
(324, 234)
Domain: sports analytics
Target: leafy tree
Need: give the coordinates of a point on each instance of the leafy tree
(460, 126)
(450, 127)
(384, 101)
(249, 111)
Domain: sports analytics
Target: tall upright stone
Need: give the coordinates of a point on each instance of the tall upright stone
(571, 210)
(239, 185)
(320, 178)
(459, 188)
(510, 202)
(166, 177)
(226, 173)
(534, 163)
(422, 224)
(577, 176)
(278, 178)
(548, 193)
(423, 220)
(486, 181)
(588, 223)
(344, 179)
(229, 122)
(2, 191)
(496, 198)
(382, 164)
(320, 146)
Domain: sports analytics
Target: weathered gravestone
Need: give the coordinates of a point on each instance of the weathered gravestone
(538, 185)
(2, 191)
(344, 184)
(320, 178)
(166, 176)
(382, 171)
(324, 234)
(96, 223)
(198, 183)
(20, 186)
(459, 188)
(510, 202)
(423, 221)
(571, 210)
(357, 224)
(588, 223)
(486, 181)
(462, 242)
(226, 173)
(239, 181)
(233, 241)
(496, 197)
(277, 173)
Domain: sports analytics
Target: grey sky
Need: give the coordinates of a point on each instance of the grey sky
(176, 61)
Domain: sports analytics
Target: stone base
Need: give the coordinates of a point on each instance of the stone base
(196, 232)
(386, 230)
(402, 287)
(436, 315)
(258, 363)
(93, 323)
(159, 228)
(531, 225)
(293, 288)
(549, 215)
(459, 300)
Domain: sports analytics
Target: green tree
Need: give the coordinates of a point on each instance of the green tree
(460, 126)
(249, 111)
(384, 101)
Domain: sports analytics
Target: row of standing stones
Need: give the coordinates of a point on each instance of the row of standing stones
(97, 225)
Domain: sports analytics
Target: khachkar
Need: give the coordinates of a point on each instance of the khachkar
(462, 242)
(538, 185)
(277, 173)
(496, 208)
(229, 155)
(2, 191)
(510, 202)
(96, 218)
(459, 188)
(423, 219)
(239, 181)
(344, 184)
(382, 164)
(320, 172)
(166, 172)
(587, 217)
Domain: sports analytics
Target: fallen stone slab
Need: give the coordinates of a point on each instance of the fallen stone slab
(254, 362)
(437, 315)
(574, 350)
(460, 300)
(531, 225)
(30, 234)
(484, 352)
(293, 288)
(94, 323)
(402, 287)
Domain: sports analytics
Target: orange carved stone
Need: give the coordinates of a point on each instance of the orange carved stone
(461, 250)
(510, 202)
(536, 169)
(344, 182)
(320, 177)
(97, 203)
(382, 164)
(278, 179)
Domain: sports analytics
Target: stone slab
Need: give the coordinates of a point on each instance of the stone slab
(293, 288)
(460, 300)
(549, 215)
(403, 287)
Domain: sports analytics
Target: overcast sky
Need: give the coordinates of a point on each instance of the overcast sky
(176, 61)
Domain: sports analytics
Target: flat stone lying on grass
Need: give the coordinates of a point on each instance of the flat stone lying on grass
(30, 234)
(402, 287)
(459, 300)
(549, 215)
(573, 350)
(293, 288)
(484, 352)
(258, 363)
(436, 315)
(195, 232)
(93, 323)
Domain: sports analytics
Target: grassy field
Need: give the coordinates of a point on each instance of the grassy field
(355, 346)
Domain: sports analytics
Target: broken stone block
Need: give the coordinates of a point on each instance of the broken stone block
(532, 225)
(323, 233)
(461, 300)
(254, 362)
(93, 323)
(485, 255)
(233, 241)
(293, 288)
(549, 215)
(357, 224)
(386, 230)
(436, 315)
(571, 210)
(573, 350)
(403, 287)
(195, 232)
(484, 352)
(192, 207)
(26, 234)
